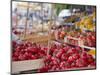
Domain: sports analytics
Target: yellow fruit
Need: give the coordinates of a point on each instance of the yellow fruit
(88, 21)
(92, 52)
(89, 26)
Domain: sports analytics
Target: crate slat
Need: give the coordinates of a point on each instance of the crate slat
(18, 66)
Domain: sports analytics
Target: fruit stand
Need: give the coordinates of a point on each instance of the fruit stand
(52, 37)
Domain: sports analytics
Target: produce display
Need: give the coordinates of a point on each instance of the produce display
(59, 58)
(61, 37)
(87, 22)
(89, 38)
(27, 51)
(67, 57)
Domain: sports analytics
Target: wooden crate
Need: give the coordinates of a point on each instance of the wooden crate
(18, 66)
(78, 42)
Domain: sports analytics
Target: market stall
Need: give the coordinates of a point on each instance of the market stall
(53, 37)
